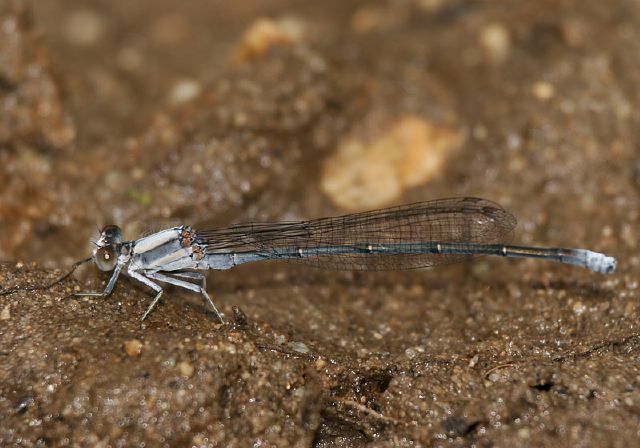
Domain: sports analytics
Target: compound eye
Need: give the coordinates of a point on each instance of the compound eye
(106, 258)
(112, 234)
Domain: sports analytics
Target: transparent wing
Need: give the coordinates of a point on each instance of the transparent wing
(455, 220)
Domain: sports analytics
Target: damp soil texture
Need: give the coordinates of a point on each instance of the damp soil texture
(155, 113)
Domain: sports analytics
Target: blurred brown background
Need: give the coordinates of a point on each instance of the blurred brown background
(148, 114)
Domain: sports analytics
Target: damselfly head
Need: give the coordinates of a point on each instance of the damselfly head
(107, 249)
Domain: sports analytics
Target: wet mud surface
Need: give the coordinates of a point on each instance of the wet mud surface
(150, 114)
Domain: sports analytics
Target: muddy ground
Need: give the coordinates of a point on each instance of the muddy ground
(149, 114)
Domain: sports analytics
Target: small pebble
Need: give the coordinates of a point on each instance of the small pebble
(574, 33)
(496, 41)
(630, 309)
(133, 347)
(543, 90)
(524, 433)
(186, 369)
(6, 313)
(83, 27)
(579, 308)
(299, 347)
(266, 33)
(24, 403)
(184, 90)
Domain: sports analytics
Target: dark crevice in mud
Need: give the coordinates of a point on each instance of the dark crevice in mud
(375, 383)
(458, 427)
(333, 432)
(543, 386)
(370, 383)
(5, 84)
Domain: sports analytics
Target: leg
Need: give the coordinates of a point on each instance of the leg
(188, 274)
(195, 276)
(142, 279)
(108, 289)
(189, 286)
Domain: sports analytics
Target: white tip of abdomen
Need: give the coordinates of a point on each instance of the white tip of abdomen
(598, 262)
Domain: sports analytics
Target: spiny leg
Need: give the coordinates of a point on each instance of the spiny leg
(142, 279)
(189, 286)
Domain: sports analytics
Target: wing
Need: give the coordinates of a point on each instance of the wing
(456, 220)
